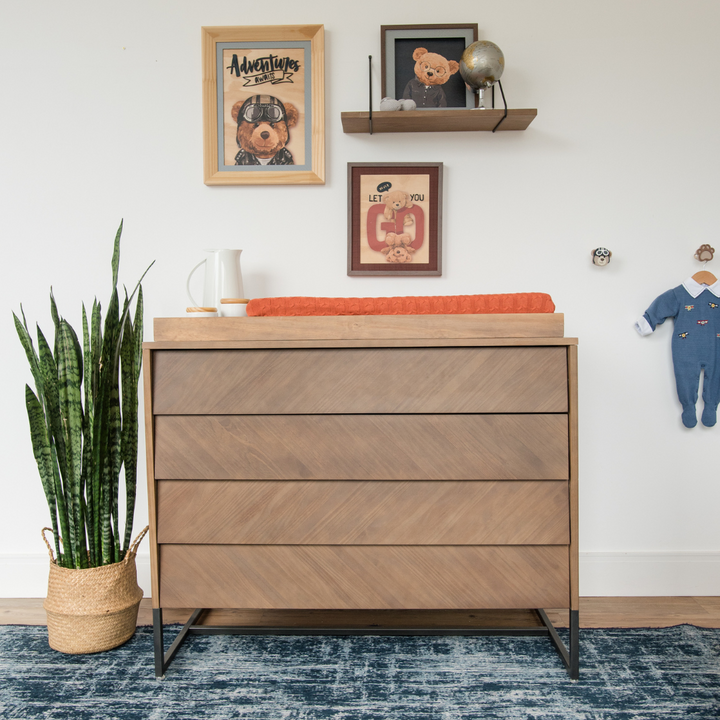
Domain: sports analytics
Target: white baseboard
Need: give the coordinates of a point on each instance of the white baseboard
(601, 574)
(650, 574)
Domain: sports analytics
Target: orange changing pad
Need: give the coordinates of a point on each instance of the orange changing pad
(422, 305)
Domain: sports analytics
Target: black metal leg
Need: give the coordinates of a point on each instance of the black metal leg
(162, 658)
(574, 668)
(571, 657)
(172, 650)
(158, 642)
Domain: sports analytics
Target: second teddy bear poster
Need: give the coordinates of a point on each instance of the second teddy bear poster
(421, 63)
(394, 218)
(263, 105)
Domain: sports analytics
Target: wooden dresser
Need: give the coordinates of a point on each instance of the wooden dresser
(421, 462)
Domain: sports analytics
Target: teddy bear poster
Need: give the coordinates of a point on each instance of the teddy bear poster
(264, 106)
(394, 219)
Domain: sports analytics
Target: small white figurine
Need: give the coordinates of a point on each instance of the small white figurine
(389, 103)
(601, 256)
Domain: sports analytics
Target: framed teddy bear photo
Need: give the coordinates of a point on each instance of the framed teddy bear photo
(395, 218)
(263, 105)
(421, 63)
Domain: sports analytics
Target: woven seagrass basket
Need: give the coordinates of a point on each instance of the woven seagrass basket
(94, 609)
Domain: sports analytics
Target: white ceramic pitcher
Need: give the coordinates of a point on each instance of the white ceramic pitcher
(223, 278)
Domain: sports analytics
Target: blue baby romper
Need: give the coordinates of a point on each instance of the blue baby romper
(695, 343)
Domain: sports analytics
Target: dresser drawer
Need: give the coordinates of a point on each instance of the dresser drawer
(361, 447)
(371, 577)
(361, 380)
(353, 512)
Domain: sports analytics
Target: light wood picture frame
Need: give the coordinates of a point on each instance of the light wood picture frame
(273, 75)
(395, 218)
(397, 43)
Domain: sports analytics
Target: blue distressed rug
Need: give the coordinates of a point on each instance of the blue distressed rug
(643, 674)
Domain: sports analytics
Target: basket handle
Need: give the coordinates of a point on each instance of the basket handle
(132, 550)
(50, 550)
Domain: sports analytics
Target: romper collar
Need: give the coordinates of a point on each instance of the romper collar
(694, 288)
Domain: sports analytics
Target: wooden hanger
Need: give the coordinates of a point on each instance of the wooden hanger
(704, 277)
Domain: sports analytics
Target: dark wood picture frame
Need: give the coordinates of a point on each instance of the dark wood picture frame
(397, 64)
(371, 220)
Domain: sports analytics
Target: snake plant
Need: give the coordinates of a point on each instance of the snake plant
(84, 424)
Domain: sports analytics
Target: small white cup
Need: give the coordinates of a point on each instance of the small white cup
(233, 307)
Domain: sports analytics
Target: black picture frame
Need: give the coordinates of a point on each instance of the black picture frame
(398, 67)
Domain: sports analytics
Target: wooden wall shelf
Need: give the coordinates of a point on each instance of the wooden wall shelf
(436, 120)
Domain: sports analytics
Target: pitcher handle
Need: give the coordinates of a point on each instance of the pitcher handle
(187, 285)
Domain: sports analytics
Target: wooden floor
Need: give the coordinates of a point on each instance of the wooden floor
(594, 612)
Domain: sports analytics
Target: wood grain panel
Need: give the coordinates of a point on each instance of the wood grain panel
(439, 120)
(361, 447)
(361, 380)
(359, 327)
(374, 577)
(350, 342)
(363, 513)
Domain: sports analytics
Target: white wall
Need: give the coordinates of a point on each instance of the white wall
(101, 120)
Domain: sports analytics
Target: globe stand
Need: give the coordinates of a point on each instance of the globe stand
(502, 92)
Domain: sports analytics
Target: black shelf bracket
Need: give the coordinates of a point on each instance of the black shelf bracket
(370, 91)
(502, 92)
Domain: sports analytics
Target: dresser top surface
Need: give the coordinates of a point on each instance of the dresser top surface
(360, 331)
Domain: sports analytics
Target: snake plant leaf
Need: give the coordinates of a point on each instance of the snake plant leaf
(115, 447)
(24, 322)
(87, 365)
(56, 318)
(130, 422)
(108, 552)
(77, 347)
(129, 438)
(54, 311)
(95, 347)
(87, 431)
(97, 475)
(27, 343)
(138, 331)
(51, 400)
(110, 433)
(128, 300)
(69, 391)
(116, 255)
(94, 474)
(62, 510)
(44, 458)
